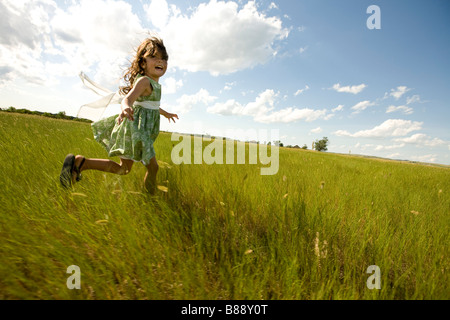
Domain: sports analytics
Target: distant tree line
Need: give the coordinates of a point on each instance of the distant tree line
(59, 115)
(318, 145)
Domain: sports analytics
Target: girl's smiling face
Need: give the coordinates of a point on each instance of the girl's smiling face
(155, 66)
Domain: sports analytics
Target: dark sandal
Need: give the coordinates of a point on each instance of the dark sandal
(67, 170)
(78, 169)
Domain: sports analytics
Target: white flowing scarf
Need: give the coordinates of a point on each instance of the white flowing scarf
(95, 110)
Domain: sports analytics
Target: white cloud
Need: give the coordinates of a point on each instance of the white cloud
(349, 89)
(262, 110)
(386, 95)
(399, 92)
(291, 115)
(413, 99)
(86, 40)
(338, 108)
(316, 130)
(395, 155)
(228, 108)
(367, 146)
(75, 39)
(24, 22)
(171, 85)
(425, 158)
(220, 38)
(395, 146)
(262, 105)
(361, 106)
(422, 139)
(228, 86)
(389, 128)
(300, 91)
(186, 102)
(24, 36)
(21, 62)
(272, 6)
(157, 13)
(404, 109)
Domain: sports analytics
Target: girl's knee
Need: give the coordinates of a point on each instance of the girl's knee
(125, 167)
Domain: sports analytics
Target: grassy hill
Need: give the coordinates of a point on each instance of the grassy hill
(220, 231)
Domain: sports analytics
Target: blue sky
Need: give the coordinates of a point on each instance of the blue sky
(306, 68)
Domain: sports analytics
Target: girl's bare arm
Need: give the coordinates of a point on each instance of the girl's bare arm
(142, 87)
(170, 116)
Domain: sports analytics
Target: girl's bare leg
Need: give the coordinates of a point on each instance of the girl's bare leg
(150, 176)
(105, 165)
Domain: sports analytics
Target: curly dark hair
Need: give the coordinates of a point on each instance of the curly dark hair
(147, 48)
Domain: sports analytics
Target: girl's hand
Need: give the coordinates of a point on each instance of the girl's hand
(170, 116)
(126, 113)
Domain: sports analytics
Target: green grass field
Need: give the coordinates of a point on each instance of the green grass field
(220, 231)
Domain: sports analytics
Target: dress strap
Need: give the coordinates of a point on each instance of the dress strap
(152, 82)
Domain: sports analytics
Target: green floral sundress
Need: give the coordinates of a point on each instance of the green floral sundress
(132, 139)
